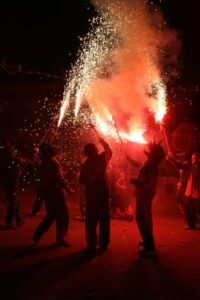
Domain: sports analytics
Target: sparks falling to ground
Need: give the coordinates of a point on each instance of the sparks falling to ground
(120, 69)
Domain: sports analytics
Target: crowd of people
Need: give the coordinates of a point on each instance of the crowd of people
(52, 189)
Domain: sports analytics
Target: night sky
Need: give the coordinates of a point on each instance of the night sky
(43, 35)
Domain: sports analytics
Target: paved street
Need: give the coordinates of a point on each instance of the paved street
(47, 272)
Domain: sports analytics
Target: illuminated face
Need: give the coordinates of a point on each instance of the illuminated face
(194, 158)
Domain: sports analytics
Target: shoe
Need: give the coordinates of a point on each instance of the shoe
(20, 223)
(147, 252)
(141, 244)
(101, 250)
(91, 252)
(187, 227)
(10, 227)
(63, 244)
(128, 218)
(36, 243)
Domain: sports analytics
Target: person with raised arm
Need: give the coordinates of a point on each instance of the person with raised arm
(93, 175)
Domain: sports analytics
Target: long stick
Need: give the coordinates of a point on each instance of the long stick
(94, 128)
(167, 143)
(165, 137)
(49, 129)
(117, 131)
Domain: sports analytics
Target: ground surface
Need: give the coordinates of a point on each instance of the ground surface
(120, 273)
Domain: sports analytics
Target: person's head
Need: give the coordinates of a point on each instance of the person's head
(90, 150)
(155, 152)
(194, 158)
(47, 151)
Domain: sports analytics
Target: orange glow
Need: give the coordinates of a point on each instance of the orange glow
(107, 128)
(161, 108)
(134, 136)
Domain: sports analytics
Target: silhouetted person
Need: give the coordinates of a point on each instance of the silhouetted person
(181, 187)
(94, 176)
(53, 187)
(192, 188)
(146, 190)
(39, 199)
(10, 171)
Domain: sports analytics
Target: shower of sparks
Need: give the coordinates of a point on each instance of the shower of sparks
(161, 101)
(122, 54)
(96, 47)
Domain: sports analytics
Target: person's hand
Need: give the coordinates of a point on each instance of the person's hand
(169, 155)
(101, 140)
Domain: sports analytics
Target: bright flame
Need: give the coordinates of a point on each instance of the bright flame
(105, 127)
(108, 129)
(119, 58)
(161, 101)
(63, 108)
(134, 136)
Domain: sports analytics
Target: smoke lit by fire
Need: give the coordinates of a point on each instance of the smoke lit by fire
(120, 68)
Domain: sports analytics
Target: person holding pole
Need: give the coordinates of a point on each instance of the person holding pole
(93, 175)
(145, 184)
(53, 187)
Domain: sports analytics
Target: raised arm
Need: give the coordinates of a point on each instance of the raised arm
(106, 148)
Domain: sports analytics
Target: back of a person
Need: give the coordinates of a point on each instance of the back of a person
(148, 177)
(10, 169)
(97, 166)
(49, 171)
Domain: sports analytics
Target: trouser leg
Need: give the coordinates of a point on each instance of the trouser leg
(90, 227)
(145, 223)
(18, 215)
(11, 207)
(37, 205)
(43, 227)
(190, 212)
(104, 230)
(62, 223)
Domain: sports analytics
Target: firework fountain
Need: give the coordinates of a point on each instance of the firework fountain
(117, 82)
(120, 70)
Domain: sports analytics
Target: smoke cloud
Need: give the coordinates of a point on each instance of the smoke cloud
(142, 52)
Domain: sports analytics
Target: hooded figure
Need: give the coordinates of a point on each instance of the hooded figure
(94, 176)
(146, 189)
(52, 189)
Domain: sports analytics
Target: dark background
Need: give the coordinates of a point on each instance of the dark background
(43, 38)
(43, 35)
